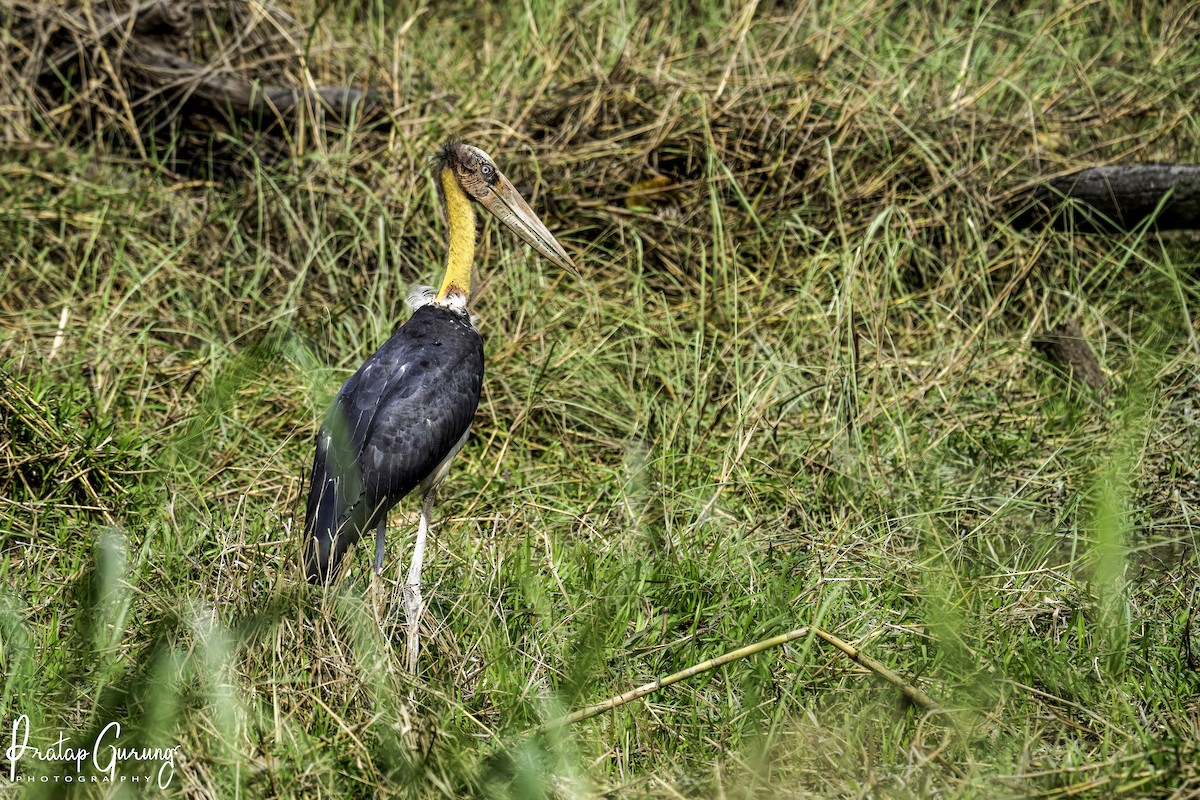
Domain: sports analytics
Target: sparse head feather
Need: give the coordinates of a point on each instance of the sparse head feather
(474, 169)
(448, 154)
(457, 154)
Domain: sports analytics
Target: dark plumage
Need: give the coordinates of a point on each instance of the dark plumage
(394, 422)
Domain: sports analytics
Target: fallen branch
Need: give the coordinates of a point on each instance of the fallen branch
(143, 43)
(911, 692)
(1114, 199)
(232, 98)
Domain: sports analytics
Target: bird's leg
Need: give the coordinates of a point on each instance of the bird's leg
(412, 589)
(380, 535)
(378, 598)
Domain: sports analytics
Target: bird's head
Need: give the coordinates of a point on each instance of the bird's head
(476, 175)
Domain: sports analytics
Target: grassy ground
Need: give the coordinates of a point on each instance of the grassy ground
(796, 387)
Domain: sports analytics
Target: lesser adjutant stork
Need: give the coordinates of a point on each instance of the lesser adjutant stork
(398, 422)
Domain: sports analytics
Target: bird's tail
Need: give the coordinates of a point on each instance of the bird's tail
(321, 553)
(334, 496)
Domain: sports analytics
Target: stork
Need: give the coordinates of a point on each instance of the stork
(400, 420)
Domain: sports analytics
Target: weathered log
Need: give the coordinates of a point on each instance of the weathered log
(141, 42)
(234, 99)
(1115, 199)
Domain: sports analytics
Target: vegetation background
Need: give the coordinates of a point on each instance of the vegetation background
(794, 385)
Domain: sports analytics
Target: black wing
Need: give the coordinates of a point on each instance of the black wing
(391, 425)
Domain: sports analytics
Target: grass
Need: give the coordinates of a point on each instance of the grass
(793, 388)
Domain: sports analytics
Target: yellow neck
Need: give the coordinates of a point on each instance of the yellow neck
(461, 259)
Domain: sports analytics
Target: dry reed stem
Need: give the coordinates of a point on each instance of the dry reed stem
(854, 654)
(907, 689)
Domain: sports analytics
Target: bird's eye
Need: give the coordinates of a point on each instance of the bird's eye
(486, 170)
